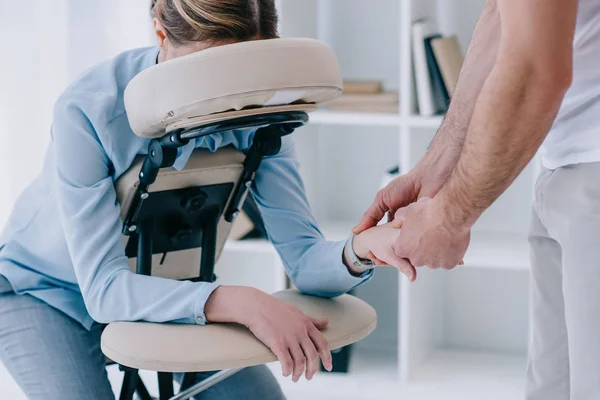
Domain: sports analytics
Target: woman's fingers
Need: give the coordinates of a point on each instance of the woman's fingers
(299, 361)
(312, 357)
(375, 260)
(404, 266)
(320, 323)
(285, 359)
(322, 347)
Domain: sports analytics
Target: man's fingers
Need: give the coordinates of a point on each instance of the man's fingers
(299, 361)
(399, 218)
(373, 215)
(322, 347)
(312, 357)
(366, 223)
(390, 215)
(404, 266)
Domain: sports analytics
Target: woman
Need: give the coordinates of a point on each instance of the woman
(63, 270)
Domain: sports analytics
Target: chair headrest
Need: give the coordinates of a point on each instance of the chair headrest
(254, 74)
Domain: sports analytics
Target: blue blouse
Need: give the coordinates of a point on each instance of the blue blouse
(63, 242)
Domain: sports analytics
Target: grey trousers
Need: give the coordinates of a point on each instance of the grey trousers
(564, 359)
(52, 357)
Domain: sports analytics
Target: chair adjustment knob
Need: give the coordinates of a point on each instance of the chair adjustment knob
(194, 199)
(184, 234)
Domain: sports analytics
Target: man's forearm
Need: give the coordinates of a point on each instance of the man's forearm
(445, 149)
(516, 107)
(514, 113)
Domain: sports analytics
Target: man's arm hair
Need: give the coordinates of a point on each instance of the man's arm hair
(445, 148)
(517, 104)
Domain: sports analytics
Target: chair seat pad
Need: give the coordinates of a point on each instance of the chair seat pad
(194, 348)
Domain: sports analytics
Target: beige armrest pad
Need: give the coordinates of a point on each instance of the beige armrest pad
(192, 348)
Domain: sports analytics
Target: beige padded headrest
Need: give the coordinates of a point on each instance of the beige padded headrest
(259, 73)
(193, 348)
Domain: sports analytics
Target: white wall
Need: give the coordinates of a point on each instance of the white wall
(46, 44)
(31, 77)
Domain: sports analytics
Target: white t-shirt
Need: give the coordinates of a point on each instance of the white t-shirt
(575, 135)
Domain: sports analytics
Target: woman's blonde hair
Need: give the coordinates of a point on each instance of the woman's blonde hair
(216, 20)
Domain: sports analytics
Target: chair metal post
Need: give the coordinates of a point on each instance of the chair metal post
(205, 384)
(142, 391)
(162, 153)
(144, 250)
(165, 385)
(130, 383)
(209, 250)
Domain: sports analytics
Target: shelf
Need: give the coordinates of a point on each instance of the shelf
(261, 246)
(498, 250)
(448, 375)
(416, 121)
(373, 375)
(487, 376)
(333, 231)
(325, 117)
(487, 249)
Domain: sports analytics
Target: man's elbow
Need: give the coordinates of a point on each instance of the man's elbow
(546, 72)
(556, 79)
(547, 85)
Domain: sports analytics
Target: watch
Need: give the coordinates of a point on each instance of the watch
(358, 262)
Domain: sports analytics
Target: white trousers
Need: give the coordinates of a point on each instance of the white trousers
(564, 359)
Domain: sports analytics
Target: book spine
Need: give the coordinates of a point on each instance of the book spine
(422, 76)
(441, 96)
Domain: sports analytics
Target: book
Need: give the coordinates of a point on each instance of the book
(450, 59)
(370, 108)
(441, 98)
(420, 30)
(380, 98)
(363, 87)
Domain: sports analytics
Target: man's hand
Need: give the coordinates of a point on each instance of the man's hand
(377, 244)
(433, 170)
(428, 238)
(401, 192)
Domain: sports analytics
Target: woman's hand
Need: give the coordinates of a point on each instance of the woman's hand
(291, 335)
(377, 244)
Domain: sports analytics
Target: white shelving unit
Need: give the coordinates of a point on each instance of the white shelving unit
(450, 335)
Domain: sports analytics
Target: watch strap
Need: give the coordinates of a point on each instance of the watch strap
(358, 262)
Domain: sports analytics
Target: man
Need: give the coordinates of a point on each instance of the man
(532, 73)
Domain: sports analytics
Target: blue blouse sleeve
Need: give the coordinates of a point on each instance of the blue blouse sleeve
(314, 265)
(90, 216)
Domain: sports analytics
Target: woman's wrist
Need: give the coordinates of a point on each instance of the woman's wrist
(232, 304)
(360, 250)
(360, 247)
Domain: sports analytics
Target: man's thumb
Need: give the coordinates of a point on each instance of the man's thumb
(371, 218)
(399, 218)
